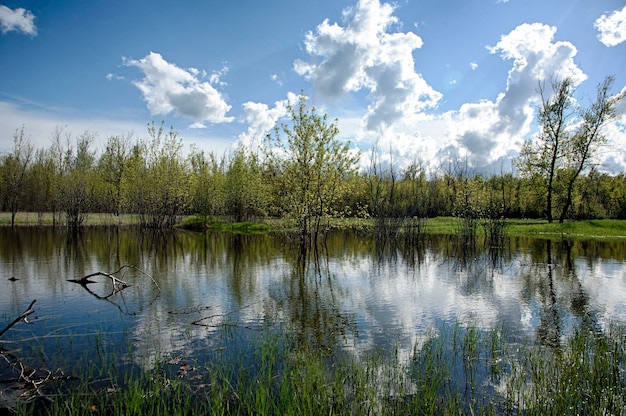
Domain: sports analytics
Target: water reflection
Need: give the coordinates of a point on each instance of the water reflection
(353, 294)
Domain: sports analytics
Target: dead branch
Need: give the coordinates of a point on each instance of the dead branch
(22, 317)
(199, 322)
(118, 284)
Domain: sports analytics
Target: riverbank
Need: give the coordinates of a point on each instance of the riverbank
(581, 229)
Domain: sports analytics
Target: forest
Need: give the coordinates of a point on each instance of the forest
(303, 173)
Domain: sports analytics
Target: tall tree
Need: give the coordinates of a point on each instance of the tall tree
(13, 169)
(545, 155)
(312, 165)
(156, 186)
(569, 138)
(77, 191)
(244, 188)
(206, 184)
(587, 138)
(112, 166)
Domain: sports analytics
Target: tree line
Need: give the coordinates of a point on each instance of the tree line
(305, 174)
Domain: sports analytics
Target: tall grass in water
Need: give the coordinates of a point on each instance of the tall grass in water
(454, 370)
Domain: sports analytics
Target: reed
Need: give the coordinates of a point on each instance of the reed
(458, 369)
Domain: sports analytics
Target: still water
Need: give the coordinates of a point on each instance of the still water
(355, 295)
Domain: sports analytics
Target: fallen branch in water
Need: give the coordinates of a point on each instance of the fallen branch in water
(19, 380)
(22, 317)
(199, 322)
(118, 284)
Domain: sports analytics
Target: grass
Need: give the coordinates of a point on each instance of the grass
(454, 370)
(34, 219)
(582, 229)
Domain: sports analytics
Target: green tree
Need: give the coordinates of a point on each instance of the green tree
(112, 167)
(587, 138)
(13, 169)
(157, 184)
(312, 165)
(545, 155)
(567, 142)
(77, 189)
(40, 183)
(206, 184)
(245, 190)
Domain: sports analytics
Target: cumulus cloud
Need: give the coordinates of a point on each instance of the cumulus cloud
(261, 119)
(19, 20)
(167, 88)
(490, 130)
(612, 27)
(366, 54)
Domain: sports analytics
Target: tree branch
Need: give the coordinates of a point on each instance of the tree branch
(22, 317)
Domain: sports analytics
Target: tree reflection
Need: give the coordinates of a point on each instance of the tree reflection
(560, 293)
(310, 302)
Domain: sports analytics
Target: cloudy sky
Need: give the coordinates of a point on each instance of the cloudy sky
(425, 80)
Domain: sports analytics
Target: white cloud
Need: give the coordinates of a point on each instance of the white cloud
(261, 119)
(111, 76)
(473, 65)
(276, 79)
(167, 88)
(365, 54)
(490, 130)
(612, 27)
(19, 20)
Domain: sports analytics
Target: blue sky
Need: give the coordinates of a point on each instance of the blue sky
(425, 80)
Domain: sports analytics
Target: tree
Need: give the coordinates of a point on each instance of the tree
(244, 188)
(77, 190)
(13, 169)
(156, 186)
(588, 138)
(567, 141)
(206, 184)
(312, 165)
(544, 155)
(112, 167)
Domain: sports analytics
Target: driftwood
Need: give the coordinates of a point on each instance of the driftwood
(118, 284)
(22, 317)
(18, 379)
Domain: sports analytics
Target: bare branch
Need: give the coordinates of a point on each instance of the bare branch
(22, 317)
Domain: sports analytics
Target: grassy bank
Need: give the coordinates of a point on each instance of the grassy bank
(455, 370)
(583, 229)
(45, 219)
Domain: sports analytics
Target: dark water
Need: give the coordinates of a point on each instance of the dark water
(355, 295)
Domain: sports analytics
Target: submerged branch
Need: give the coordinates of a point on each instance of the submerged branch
(84, 281)
(22, 317)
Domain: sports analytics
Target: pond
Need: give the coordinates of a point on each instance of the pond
(356, 294)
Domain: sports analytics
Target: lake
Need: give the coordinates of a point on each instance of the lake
(356, 294)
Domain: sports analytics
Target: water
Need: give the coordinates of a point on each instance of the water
(354, 296)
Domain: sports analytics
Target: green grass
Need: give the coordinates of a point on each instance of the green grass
(583, 229)
(33, 219)
(454, 370)
(587, 229)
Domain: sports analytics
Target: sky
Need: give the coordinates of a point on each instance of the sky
(425, 81)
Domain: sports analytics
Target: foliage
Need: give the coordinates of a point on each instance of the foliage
(13, 169)
(311, 165)
(568, 141)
